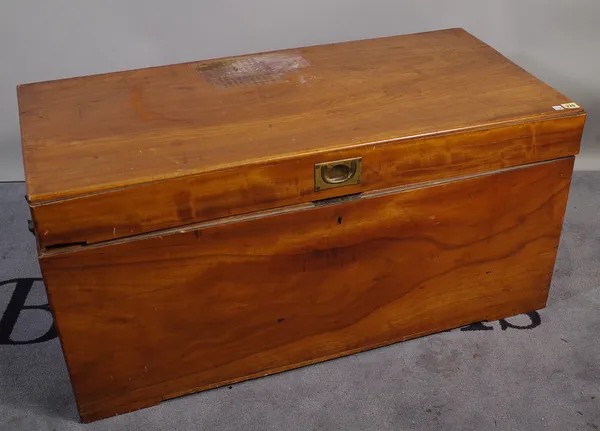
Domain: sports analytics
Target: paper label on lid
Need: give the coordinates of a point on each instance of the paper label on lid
(570, 105)
(251, 70)
(558, 108)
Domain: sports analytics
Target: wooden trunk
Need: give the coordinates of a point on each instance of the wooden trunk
(206, 223)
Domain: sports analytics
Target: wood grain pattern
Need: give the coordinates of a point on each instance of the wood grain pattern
(146, 320)
(182, 201)
(103, 132)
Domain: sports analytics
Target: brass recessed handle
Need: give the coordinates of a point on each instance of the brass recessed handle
(338, 173)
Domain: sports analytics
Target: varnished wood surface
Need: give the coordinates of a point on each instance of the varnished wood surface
(146, 320)
(104, 132)
(182, 201)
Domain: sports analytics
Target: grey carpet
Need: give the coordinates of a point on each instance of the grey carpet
(518, 374)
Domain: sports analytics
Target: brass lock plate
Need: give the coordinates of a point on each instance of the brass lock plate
(338, 173)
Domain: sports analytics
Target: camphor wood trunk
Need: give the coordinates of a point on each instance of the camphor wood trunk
(205, 223)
